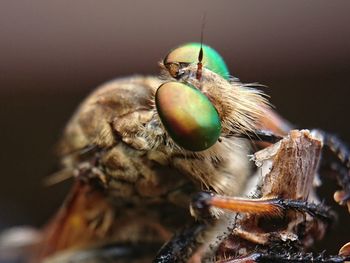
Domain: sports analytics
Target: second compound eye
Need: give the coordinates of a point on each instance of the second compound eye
(188, 116)
(188, 53)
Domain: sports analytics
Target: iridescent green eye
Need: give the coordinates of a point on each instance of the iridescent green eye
(188, 116)
(188, 53)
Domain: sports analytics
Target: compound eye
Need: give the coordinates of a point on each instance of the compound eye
(188, 53)
(188, 116)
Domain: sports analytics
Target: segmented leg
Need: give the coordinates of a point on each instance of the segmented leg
(337, 146)
(204, 201)
(258, 135)
(342, 153)
(181, 246)
(286, 257)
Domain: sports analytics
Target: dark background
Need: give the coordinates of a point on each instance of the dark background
(53, 53)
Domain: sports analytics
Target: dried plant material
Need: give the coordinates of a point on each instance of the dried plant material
(293, 166)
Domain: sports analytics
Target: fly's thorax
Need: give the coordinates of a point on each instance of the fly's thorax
(112, 113)
(139, 176)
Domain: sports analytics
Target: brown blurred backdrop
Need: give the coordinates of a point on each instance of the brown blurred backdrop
(53, 53)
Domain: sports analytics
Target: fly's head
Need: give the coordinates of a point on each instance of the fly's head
(200, 104)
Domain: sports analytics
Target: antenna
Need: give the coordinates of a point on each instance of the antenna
(200, 55)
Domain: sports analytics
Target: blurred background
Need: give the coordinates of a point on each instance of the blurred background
(53, 53)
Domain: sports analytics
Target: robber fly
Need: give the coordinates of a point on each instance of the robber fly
(139, 148)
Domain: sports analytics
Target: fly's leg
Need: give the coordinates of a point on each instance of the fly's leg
(204, 207)
(342, 153)
(337, 146)
(205, 201)
(187, 244)
(319, 211)
(183, 244)
(259, 135)
(287, 257)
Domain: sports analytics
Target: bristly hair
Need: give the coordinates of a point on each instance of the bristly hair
(240, 106)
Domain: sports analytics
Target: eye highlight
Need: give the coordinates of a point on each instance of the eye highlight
(188, 53)
(188, 116)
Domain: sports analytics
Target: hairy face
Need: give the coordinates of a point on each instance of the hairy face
(199, 102)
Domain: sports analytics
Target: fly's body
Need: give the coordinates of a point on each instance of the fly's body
(118, 142)
(140, 147)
